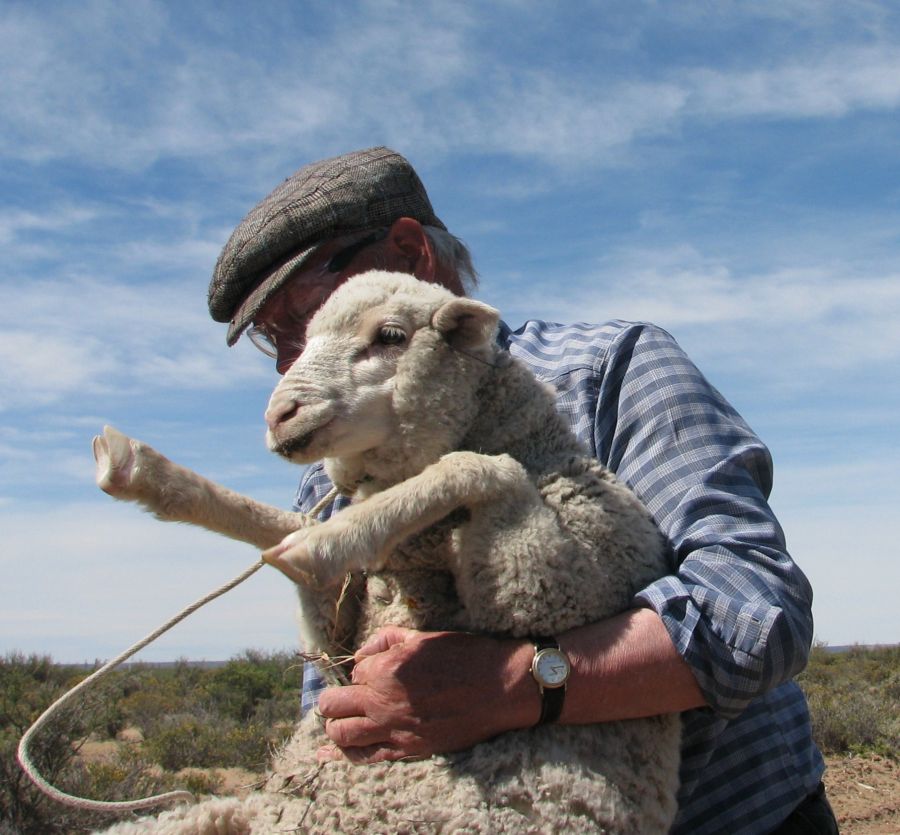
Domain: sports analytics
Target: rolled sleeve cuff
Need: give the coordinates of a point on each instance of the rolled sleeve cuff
(726, 641)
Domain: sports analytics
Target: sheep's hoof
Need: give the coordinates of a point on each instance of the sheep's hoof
(115, 457)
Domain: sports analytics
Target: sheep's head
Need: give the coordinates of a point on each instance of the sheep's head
(384, 356)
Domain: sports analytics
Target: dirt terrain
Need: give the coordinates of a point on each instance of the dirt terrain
(864, 793)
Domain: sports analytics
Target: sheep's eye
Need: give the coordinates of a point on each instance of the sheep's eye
(390, 335)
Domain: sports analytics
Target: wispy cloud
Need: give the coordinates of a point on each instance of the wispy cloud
(77, 86)
(791, 325)
(819, 86)
(85, 336)
(15, 223)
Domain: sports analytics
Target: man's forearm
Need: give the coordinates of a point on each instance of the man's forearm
(624, 668)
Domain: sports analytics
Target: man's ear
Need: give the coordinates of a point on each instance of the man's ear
(408, 249)
(466, 323)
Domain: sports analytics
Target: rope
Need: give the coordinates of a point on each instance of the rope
(24, 757)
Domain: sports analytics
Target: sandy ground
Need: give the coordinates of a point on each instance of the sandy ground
(864, 791)
(865, 794)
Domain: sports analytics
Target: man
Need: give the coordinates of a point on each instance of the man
(720, 638)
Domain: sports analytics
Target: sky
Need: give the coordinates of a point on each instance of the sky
(729, 171)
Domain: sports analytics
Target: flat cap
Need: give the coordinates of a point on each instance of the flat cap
(338, 196)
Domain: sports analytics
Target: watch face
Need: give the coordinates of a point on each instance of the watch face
(551, 667)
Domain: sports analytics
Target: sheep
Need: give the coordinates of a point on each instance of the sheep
(470, 493)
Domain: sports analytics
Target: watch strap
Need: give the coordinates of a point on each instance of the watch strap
(552, 698)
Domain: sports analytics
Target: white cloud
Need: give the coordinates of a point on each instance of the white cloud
(786, 324)
(828, 85)
(111, 336)
(77, 87)
(43, 369)
(838, 523)
(15, 222)
(545, 116)
(125, 89)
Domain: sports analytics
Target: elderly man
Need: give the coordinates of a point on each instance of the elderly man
(719, 639)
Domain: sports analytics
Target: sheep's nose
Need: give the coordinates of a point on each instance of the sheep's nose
(279, 411)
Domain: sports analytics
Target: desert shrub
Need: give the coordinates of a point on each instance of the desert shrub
(854, 699)
(28, 685)
(248, 746)
(256, 685)
(203, 742)
(126, 776)
(157, 696)
(181, 742)
(197, 781)
(238, 688)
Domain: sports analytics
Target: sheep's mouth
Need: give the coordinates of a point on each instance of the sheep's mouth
(290, 446)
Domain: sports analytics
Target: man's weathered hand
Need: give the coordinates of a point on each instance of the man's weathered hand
(414, 694)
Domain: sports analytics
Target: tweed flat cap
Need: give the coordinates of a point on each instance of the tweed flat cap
(350, 193)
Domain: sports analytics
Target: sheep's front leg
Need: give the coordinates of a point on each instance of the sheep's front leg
(132, 471)
(361, 537)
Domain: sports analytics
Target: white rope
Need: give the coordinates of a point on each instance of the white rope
(24, 757)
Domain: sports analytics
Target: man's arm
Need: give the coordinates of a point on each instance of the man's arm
(416, 693)
(736, 606)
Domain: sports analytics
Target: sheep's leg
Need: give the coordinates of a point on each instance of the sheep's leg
(362, 536)
(130, 470)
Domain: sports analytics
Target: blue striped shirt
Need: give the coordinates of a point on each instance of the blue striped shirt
(735, 605)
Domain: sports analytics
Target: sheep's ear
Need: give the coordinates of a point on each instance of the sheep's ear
(466, 323)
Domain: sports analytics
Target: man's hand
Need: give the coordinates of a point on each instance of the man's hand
(414, 694)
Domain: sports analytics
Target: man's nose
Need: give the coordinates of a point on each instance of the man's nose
(285, 359)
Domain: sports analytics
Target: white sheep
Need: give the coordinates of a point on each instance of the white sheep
(471, 493)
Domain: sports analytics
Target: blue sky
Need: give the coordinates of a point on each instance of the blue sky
(729, 171)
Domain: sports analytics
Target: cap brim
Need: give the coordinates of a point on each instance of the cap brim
(263, 291)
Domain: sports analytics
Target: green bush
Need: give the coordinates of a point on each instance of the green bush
(239, 687)
(28, 685)
(182, 742)
(207, 742)
(854, 699)
(190, 716)
(255, 683)
(156, 697)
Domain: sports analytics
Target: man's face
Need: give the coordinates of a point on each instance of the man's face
(283, 319)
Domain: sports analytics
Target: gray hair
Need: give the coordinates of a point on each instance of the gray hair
(451, 253)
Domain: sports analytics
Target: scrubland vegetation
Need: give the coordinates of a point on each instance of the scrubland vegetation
(854, 699)
(174, 725)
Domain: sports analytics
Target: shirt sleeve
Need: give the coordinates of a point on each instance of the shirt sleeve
(736, 605)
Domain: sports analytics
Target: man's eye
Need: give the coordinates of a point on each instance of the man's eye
(391, 335)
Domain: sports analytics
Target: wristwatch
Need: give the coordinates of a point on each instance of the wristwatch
(550, 668)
